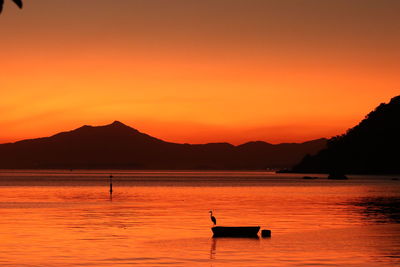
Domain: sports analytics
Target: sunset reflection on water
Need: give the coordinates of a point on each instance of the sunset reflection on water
(73, 221)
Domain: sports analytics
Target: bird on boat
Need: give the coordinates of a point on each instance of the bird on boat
(213, 218)
(17, 2)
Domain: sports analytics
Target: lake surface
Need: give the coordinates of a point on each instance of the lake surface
(67, 218)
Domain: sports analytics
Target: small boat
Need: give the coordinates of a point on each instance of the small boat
(337, 176)
(310, 177)
(238, 231)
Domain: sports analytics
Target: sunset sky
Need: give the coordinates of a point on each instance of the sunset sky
(197, 71)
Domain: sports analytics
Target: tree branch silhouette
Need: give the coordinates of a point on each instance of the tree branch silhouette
(17, 2)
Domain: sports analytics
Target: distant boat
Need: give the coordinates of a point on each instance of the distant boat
(238, 231)
(310, 177)
(337, 176)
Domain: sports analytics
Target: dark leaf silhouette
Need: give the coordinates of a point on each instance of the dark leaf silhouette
(17, 2)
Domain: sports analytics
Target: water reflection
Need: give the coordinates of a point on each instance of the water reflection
(321, 223)
(213, 248)
(228, 244)
(380, 209)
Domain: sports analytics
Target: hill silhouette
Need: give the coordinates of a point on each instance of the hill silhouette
(370, 147)
(118, 146)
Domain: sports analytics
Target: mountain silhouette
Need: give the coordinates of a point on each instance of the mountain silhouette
(372, 146)
(17, 2)
(118, 146)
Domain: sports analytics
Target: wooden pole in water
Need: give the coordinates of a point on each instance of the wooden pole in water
(111, 189)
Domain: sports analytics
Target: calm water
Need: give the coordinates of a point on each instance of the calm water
(64, 218)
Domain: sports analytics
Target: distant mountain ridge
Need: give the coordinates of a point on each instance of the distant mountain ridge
(373, 146)
(118, 146)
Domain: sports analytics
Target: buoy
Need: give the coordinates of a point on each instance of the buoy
(266, 233)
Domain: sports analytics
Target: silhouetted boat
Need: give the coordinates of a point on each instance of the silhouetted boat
(310, 177)
(238, 231)
(337, 176)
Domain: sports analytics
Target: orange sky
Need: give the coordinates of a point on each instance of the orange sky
(197, 71)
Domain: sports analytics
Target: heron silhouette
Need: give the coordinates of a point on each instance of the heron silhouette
(17, 2)
(212, 218)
